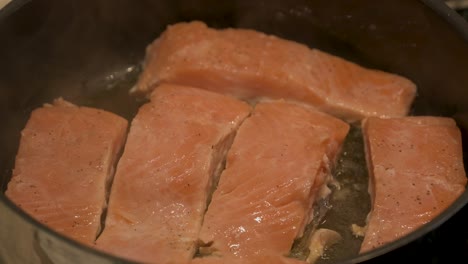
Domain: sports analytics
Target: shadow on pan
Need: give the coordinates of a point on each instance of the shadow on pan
(89, 52)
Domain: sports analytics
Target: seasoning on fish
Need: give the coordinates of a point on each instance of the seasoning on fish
(253, 65)
(64, 164)
(173, 156)
(278, 165)
(416, 171)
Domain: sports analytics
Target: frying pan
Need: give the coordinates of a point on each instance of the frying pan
(89, 52)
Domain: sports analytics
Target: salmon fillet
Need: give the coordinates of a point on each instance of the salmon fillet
(278, 164)
(415, 170)
(174, 152)
(252, 65)
(64, 163)
(320, 241)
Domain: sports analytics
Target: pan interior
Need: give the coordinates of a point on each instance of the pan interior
(90, 52)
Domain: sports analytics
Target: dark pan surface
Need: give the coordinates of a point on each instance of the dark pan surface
(89, 51)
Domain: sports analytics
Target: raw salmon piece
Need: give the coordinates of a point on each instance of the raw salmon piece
(174, 152)
(64, 164)
(277, 165)
(251, 65)
(415, 170)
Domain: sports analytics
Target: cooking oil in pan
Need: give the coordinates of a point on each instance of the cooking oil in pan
(348, 204)
(351, 203)
(111, 92)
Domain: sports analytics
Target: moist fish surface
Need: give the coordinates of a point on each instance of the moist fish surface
(253, 65)
(174, 152)
(65, 161)
(415, 171)
(278, 165)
